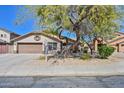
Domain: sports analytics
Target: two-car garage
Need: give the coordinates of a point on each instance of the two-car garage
(30, 48)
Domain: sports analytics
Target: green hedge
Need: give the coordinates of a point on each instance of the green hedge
(105, 51)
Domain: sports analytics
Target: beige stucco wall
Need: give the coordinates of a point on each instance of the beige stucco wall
(7, 38)
(121, 49)
(118, 48)
(30, 39)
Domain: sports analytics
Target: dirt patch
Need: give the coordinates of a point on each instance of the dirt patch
(116, 57)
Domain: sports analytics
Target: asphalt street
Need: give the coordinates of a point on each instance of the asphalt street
(62, 82)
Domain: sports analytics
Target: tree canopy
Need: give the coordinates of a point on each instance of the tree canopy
(101, 19)
(85, 20)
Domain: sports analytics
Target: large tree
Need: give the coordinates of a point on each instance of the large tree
(85, 20)
(100, 23)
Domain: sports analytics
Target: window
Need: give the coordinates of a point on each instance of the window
(52, 46)
(1, 35)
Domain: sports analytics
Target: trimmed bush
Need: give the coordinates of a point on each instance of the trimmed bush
(85, 56)
(105, 51)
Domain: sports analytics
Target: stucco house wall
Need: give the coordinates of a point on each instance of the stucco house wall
(5, 36)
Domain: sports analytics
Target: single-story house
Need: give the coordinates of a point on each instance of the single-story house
(34, 42)
(117, 42)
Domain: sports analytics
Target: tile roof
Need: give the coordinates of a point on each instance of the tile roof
(117, 38)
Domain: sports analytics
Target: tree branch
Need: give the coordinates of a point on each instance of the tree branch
(86, 15)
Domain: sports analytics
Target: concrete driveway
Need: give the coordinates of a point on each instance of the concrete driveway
(16, 63)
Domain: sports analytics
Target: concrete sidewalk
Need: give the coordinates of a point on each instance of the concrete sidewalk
(83, 70)
(27, 65)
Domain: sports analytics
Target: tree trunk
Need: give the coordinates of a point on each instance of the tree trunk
(91, 50)
(77, 42)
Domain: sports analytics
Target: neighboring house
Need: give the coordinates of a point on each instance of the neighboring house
(35, 42)
(117, 42)
(5, 38)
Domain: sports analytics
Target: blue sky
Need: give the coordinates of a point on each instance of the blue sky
(8, 17)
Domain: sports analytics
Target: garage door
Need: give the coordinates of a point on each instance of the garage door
(4, 48)
(30, 48)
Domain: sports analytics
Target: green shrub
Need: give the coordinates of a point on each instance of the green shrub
(105, 51)
(85, 56)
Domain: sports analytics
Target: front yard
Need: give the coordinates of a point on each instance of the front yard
(30, 65)
(116, 57)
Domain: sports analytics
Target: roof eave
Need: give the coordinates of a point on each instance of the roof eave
(31, 33)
